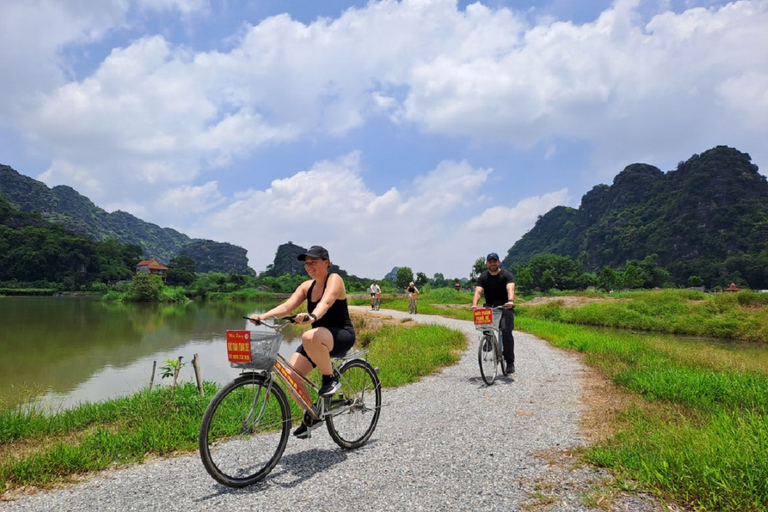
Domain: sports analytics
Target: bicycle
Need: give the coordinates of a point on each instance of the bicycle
(413, 307)
(245, 428)
(489, 352)
(377, 302)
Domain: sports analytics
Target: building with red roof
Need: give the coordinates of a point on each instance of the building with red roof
(151, 267)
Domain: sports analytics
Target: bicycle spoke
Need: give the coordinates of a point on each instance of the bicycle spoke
(244, 431)
(355, 408)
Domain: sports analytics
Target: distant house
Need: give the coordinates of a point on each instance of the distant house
(151, 267)
(732, 288)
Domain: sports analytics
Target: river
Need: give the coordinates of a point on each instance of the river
(61, 351)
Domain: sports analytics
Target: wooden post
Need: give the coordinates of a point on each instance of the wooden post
(152, 379)
(196, 366)
(176, 373)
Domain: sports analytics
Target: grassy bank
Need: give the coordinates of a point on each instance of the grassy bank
(39, 449)
(699, 434)
(737, 316)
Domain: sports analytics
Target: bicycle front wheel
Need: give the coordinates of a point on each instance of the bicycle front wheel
(244, 431)
(354, 410)
(486, 356)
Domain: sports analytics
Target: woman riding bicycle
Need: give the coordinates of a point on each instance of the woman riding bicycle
(332, 332)
(412, 293)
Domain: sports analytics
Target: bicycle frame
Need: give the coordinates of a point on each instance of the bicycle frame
(285, 371)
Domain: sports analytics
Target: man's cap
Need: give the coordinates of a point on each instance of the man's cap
(314, 252)
(492, 256)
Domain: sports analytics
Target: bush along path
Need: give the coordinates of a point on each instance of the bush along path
(446, 442)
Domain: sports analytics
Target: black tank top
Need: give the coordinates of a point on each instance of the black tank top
(336, 316)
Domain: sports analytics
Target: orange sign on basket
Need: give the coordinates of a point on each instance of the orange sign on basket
(483, 316)
(239, 346)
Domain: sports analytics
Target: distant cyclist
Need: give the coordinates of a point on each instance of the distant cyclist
(375, 291)
(412, 292)
(498, 287)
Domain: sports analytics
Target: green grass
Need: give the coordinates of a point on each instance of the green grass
(739, 316)
(701, 435)
(39, 448)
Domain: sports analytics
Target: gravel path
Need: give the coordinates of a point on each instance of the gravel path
(447, 442)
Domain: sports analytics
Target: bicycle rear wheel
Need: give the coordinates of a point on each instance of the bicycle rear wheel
(355, 408)
(244, 431)
(487, 358)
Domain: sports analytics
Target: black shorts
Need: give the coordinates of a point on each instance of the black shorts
(343, 340)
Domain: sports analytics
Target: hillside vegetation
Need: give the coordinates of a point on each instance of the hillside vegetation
(707, 218)
(65, 206)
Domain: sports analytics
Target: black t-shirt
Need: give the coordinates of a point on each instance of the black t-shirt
(495, 287)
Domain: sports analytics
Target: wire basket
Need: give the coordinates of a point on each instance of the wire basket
(485, 318)
(263, 350)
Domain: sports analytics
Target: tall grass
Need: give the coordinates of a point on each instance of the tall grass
(702, 436)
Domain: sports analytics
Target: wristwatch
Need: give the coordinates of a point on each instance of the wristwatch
(313, 317)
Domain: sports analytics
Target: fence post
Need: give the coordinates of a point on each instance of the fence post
(152, 379)
(196, 366)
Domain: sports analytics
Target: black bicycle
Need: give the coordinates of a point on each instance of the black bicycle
(489, 351)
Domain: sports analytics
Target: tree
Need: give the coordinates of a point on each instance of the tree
(145, 288)
(116, 259)
(606, 278)
(523, 278)
(561, 272)
(404, 277)
(477, 268)
(421, 279)
(438, 281)
(181, 271)
(547, 280)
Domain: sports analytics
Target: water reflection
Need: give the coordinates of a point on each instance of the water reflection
(69, 350)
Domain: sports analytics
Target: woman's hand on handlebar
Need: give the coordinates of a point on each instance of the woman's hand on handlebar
(304, 318)
(256, 319)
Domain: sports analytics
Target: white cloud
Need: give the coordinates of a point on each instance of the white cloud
(331, 205)
(32, 34)
(182, 6)
(478, 73)
(192, 200)
(521, 217)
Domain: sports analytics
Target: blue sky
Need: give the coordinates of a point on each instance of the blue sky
(420, 133)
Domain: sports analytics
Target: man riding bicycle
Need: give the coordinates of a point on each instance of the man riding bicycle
(498, 287)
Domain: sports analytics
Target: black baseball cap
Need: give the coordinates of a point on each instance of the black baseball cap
(492, 256)
(314, 252)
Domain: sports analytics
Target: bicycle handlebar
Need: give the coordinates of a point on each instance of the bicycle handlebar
(289, 319)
